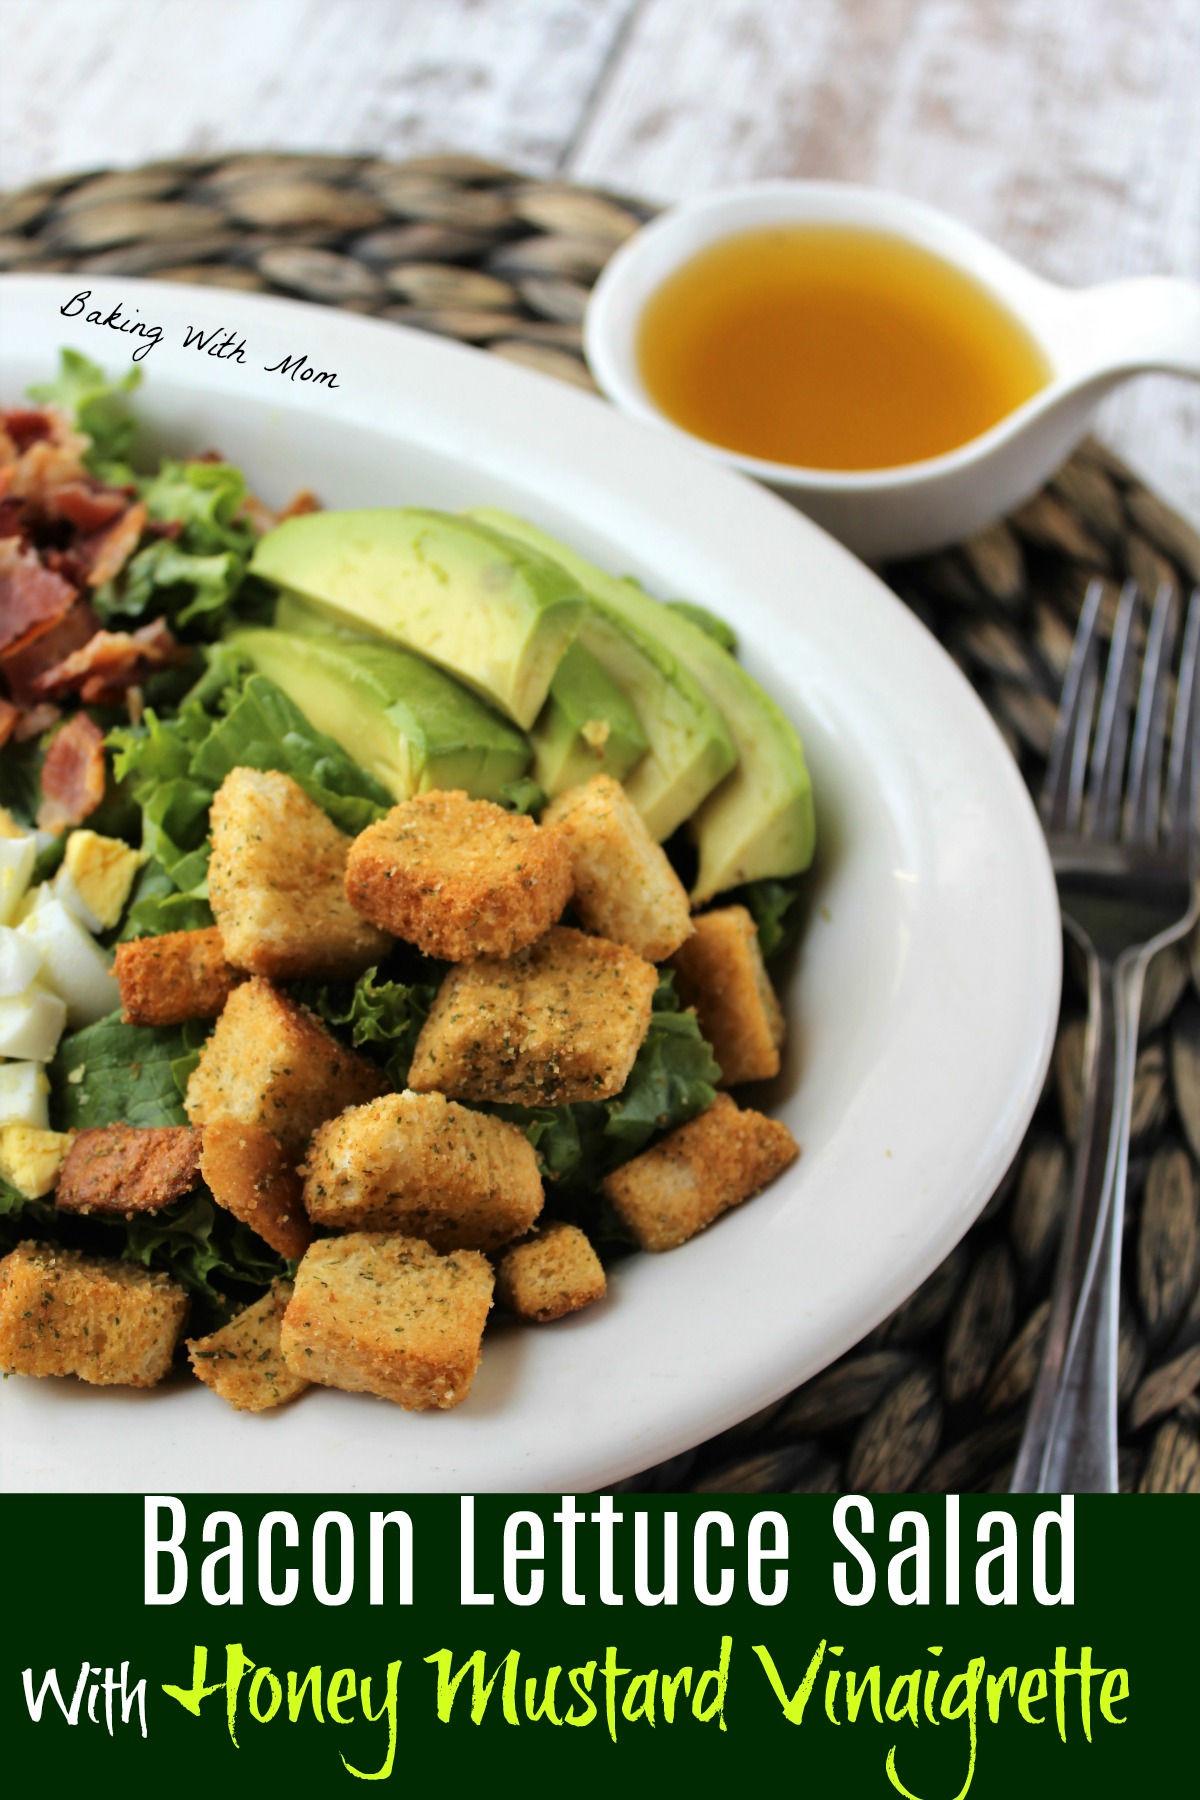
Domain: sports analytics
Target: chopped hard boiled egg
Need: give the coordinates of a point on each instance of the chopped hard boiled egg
(17, 857)
(31, 1024)
(24, 1092)
(95, 878)
(19, 963)
(73, 964)
(30, 1158)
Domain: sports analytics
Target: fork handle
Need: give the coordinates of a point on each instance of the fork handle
(1081, 1451)
(1069, 1442)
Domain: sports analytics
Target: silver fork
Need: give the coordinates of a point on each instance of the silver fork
(1125, 856)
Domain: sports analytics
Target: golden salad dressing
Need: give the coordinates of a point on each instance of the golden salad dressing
(828, 347)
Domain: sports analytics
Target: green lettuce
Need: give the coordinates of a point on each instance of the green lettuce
(21, 1218)
(95, 404)
(773, 905)
(205, 1248)
(135, 1073)
(376, 1015)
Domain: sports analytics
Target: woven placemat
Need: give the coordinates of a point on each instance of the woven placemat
(935, 1398)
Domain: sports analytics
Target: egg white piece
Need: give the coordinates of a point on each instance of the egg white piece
(66, 891)
(73, 964)
(24, 1095)
(20, 962)
(17, 857)
(31, 1024)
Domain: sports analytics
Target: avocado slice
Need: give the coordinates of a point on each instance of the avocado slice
(760, 821)
(690, 746)
(403, 720)
(587, 727)
(496, 614)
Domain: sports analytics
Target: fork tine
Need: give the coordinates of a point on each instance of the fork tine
(1062, 791)
(1150, 726)
(1185, 737)
(1107, 777)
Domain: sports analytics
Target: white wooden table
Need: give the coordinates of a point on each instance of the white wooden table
(1068, 130)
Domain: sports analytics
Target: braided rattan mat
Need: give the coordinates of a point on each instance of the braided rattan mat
(934, 1399)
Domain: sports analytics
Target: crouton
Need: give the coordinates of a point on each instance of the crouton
(30, 1158)
(108, 1322)
(243, 1362)
(270, 1062)
(555, 1273)
(561, 1022)
(458, 877)
(423, 1165)
(625, 888)
(249, 1174)
(127, 1169)
(381, 1314)
(720, 971)
(667, 1194)
(276, 883)
(170, 979)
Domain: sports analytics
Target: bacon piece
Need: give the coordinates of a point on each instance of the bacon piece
(72, 775)
(27, 425)
(118, 544)
(30, 595)
(299, 504)
(47, 467)
(9, 716)
(111, 661)
(33, 720)
(42, 648)
(89, 507)
(128, 1168)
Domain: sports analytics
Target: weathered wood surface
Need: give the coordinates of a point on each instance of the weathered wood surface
(1068, 132)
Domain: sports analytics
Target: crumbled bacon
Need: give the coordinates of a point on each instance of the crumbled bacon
(9, 716)
(109, 663)
(35, 719)
(27, 425)
(72, 775)
(39, 650)
(117, 545)
(31, 597)
(89, 508)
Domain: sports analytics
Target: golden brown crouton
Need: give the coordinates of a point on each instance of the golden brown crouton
(625, 889)
(109, 1322)
(459, 877)
(243, 1362)
(561, 1022)
(720, 971)
(276, 882)
(667, 1194)
(423, 1165)
(555, 1273)
(250, 1175)
(270, 1062)
(170, 979)
(128, 1169)
(377, 1313)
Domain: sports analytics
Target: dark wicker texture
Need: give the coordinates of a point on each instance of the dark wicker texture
(934, 1398)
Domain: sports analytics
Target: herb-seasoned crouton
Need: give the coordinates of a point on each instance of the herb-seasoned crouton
(720, 971)
(276, 882)
(561, 1022)
(625, 889)
(170, 979)
(243, 1362)
(377, 1313)
(555, 1273)
(459, 877)
(421, 1164)
(249, 1174)
(30, 1158)
(270, 1062)
(667, 1194)
(128, 1169)
(110, 1323)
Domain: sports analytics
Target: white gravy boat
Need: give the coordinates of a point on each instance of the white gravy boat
(1092, 339)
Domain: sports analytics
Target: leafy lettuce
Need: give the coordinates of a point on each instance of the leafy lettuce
(97, 405)
(192, 577)
(136, 1073)
(774, 907)
(384, 1017)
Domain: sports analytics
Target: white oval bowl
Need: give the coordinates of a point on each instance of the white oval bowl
(921, 1009)
(1092, 338)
